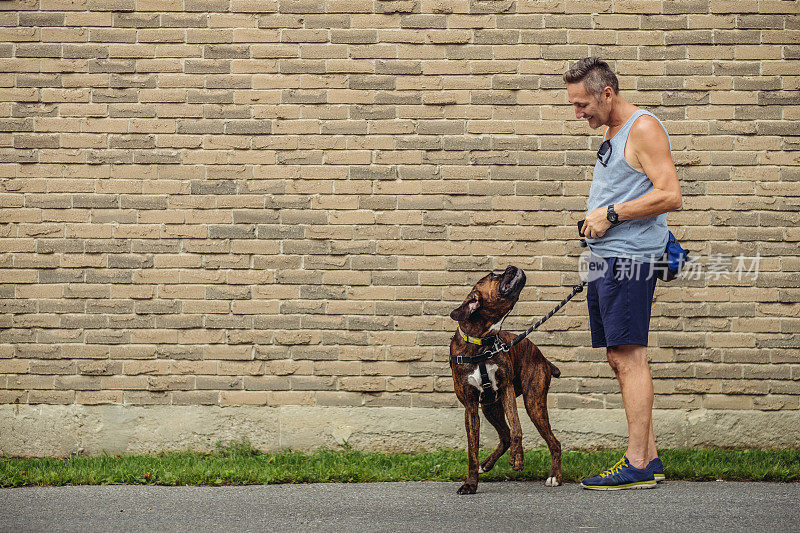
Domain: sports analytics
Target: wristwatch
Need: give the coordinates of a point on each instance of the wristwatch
(612, 215)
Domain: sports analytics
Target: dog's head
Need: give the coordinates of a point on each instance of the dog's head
(490, 300)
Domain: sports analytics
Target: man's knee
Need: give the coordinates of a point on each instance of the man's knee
(626, 356)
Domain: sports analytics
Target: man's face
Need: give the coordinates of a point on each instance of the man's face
(586, 105)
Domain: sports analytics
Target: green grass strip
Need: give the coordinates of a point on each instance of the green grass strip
(241, 464)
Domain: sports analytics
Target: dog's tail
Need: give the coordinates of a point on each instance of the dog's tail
(554, 371)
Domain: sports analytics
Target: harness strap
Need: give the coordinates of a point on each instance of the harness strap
(485, 381)
(487, 395)
(472, 359)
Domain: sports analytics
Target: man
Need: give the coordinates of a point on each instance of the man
(634, 185)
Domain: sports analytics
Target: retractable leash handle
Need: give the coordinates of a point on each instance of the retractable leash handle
(583, 242)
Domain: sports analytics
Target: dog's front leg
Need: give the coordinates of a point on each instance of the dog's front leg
(516, 455)
(473, 425)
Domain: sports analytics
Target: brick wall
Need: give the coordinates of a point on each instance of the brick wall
(255, 202)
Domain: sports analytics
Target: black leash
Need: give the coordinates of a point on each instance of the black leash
(499, 346)
(575, 290)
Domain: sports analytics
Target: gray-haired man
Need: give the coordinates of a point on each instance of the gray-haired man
(634, 185)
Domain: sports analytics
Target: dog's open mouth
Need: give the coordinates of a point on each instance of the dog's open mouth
(512, 283)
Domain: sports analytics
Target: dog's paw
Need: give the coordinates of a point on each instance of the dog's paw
(517, 462)
(468, 488)
(485, 467)
(552, 482)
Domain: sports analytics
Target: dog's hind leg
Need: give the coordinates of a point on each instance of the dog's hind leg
(496, 416)
(537, 410)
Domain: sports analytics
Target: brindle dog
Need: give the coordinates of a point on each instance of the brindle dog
(522, 370)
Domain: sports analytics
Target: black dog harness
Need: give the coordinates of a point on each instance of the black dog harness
(495, 345)
(488, 395)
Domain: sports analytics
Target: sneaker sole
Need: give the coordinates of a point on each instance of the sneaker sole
(637, 485)
(659, 477)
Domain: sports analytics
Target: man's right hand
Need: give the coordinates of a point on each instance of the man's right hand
(596, 223)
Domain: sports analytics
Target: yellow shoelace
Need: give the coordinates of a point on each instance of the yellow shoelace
(614, 469)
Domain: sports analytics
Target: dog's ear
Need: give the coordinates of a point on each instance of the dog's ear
(465, 309)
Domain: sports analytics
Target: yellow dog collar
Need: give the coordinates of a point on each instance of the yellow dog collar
(473, 340)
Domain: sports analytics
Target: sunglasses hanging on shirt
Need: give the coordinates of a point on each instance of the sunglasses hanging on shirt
(604, 153)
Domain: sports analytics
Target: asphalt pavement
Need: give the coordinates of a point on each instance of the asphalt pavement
(418, 506)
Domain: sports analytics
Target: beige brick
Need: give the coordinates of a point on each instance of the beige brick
(13, 396)
(168, 383)
(241, 367)
(717, 401)
(337, 368)
(195, 398)
(146, 398)
(242, 398)
(49, 367)
(123, 383)
(135, 368)
(14, 366)
(84, 351)
(289, 398)
(51, 397)
(77, 383)
(409, 384)
(99, 397)
(24, 381)
(243, 353)
(776, 403)
(365, 384)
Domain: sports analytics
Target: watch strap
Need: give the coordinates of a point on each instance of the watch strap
(610, 212)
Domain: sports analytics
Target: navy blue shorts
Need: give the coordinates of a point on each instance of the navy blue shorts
(619, 302)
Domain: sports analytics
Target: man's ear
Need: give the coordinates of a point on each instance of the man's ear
(607, 93)
(465, 309)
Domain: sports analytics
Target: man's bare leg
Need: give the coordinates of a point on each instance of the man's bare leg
(652, 453)
(629, 362)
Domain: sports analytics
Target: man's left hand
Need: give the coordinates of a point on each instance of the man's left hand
(596, 223)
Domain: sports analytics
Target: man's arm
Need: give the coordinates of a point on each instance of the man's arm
(650, 147)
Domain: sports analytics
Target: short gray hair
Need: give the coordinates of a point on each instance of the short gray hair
(595, 74)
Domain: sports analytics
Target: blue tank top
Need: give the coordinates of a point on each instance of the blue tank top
(642, 239)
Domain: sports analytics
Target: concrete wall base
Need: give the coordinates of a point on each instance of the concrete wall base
(61, 430)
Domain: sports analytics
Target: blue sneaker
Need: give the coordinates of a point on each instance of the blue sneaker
(658, 469)
(621, 476)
